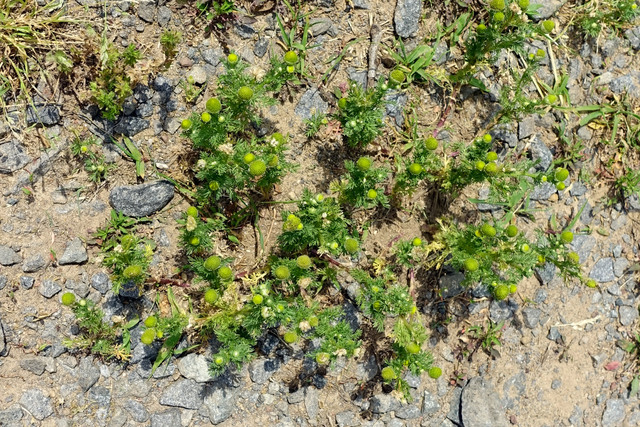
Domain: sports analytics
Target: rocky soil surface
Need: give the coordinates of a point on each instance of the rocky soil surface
(558, 363)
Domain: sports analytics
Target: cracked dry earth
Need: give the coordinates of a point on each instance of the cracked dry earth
(558, 363)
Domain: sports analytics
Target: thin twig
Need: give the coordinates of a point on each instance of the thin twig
(376, 36)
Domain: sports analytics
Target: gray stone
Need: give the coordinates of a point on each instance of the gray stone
(49, 288)
(502, 310)
(394, 108)
(633, 35)
(131, 126)
(454, 406)
(358, 76)
(347, 419)
(4, 349)
(183, 393)
(383, 403)
(311, 402)
(101, 282)
(440, 52)
(47, 115)
(11, 416)
(27, 282)
(526, 127)
(221, 403)
(319, 26)
(164, 15)
(36, 403)
(137, 411)
(74, 253)
(614, 413)
(147, 11)
(296, 397)
(3, 281)
(170, 418)
(430, 404)
(261, 46)
(361, 4)
(584, 133)
(33, 263)
(603, 271)
(617, 223)
(555, 335)
(260, 370)
(582, 244)
(195, 367)
(141, 200)
(634, 203)
(245, 31)
(87, 374)
(576, 417)
(540, 153)
(412, 380)
(627, 83)
(35, 365)
(504, 132)
(620, 266)
(546, 273)
(627, 314)
(367, 370)
(543, 191)
(81, 289)
(8, 256)
(198, 74)
(483, 194)
(101, 395)
(548, 7)
(311, 103)
(406, 17)
(531, 317)
(408, 412)
(450, 285)
(480, 405)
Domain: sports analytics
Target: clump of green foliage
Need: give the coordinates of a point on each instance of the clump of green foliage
(88, 150)
(594, 17)
(110, 341)
(360, 113)
(169, 42)
(113, 84)
(361, 186)
(128, 261)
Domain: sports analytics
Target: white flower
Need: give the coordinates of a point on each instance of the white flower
(304, 326)
(201, 164)
(226, 148)
(118, 249)
(257, 72)
(191, 223)
(340, 352)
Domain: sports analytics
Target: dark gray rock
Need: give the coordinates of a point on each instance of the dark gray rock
(27, 282)
(543, 191)
(451, 285)
(74, 253)
(583, 244)
(627, 314)
(141, 200)
(8, 256)
(35, 365)
(546, 273)
(540, 153)
(12, 157)
(101, 395)
(440, 52)
(47, 115)
(261, 46)
(361, 4)
(137, 411)
(170, 418)
(244, 31)
(4, 349)
(37, 403)
(319, 26)
(394, 108)
(183, 393)
(87, 374)
(481, 405)
(555, 335)
(408, 412)
(526, 127)
(33, 263)
(11, 416)
(548, 7)
(164, 15)
(455, 406)
(347, 419)
(81, 289)
(147, 11)
(220, 404)
(633, 35)
(195, 367)
(602, 271)
(504, 132)
(101, 282)
(260, 370)
(3, 281)
(430, 404)
(383, 403)
(131, 126)
(49, 288)
(614, 413)
(406, 17)
(310, 103)
(531, 317)
(502, 310)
